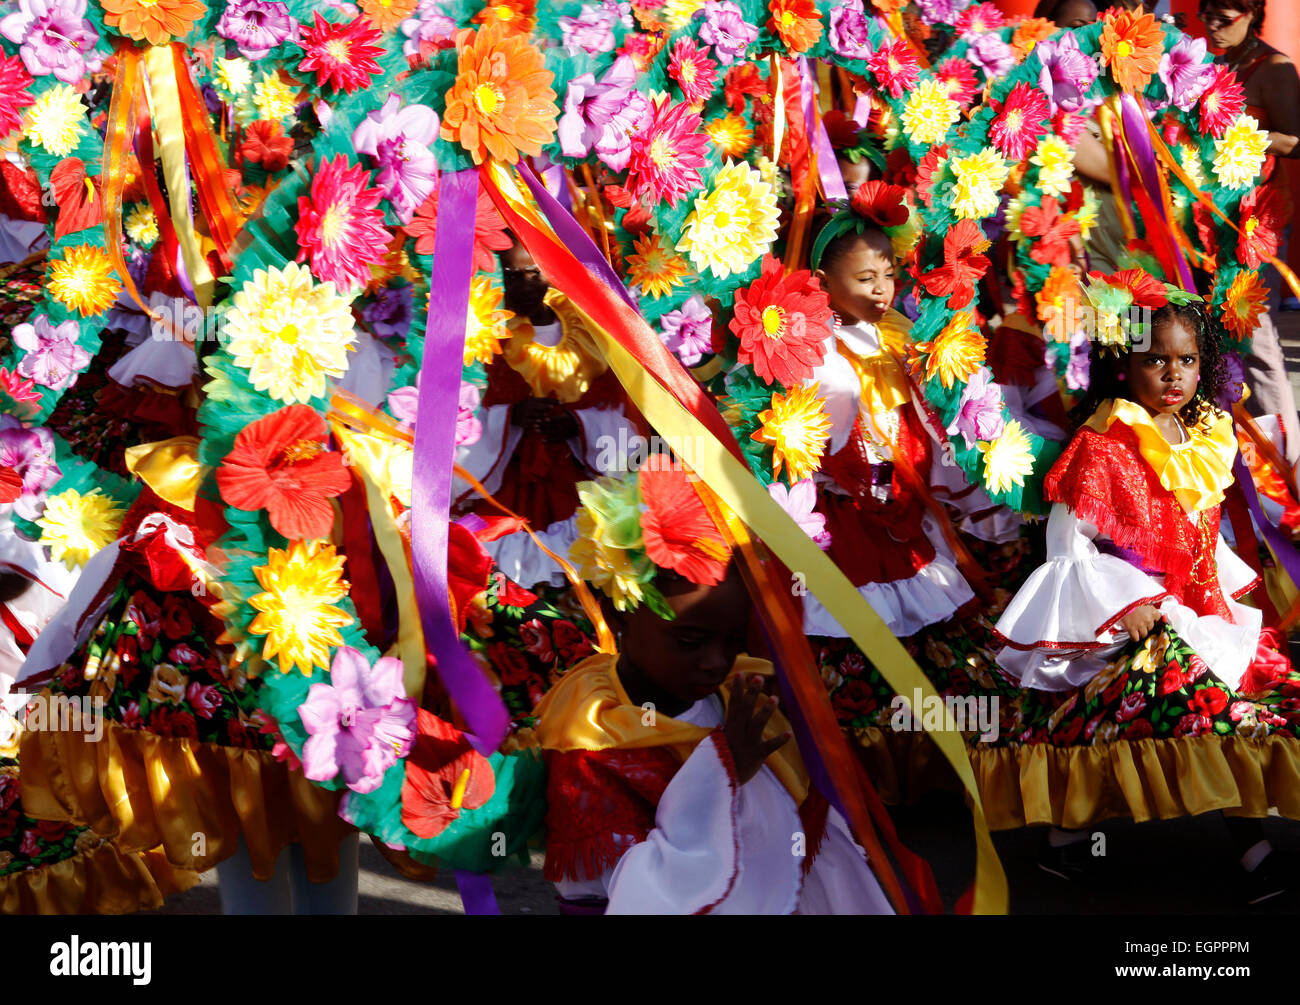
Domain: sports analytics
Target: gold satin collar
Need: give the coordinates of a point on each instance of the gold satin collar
(169, 467)
(881, 374)
(565, 369)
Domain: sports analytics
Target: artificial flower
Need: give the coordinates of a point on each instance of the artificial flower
(399, 138)
(29, 453)
(1077, 371)
(489, 230)
(141, 225)
(656, 270)
(1055, 162)
(501, 103)
(1058, 301)
(1222, 101)
(83, 280)
(18, 395)
(256, 26)
(14, 93)
(1244, 302)
(1110, 305)
(282, 463)
(895, 67)
(1052, 230)
(154, 21)
(11, 487)
(1185, 72)
(992, 55)
(359, 724)
(55, 121)
(53, 37)
(609, 551)
(964, 263)
(1028, 34)
(797, 428)
(602, 116)
(979, 411)
(958, 77)
(468, 428)
(1263, 214)
(941, 11)
(1022, 120)
(797, 23)
(1067, 74)
(667, 154)
(514, 16)
(340, 226)
(980, 178)
(883, 204)
(485, 324)
(726, 29)
(444, 775)
(265, 143)
(1145, 289)
(695, 73)
(688, 332)
(289, 332)
(341, 54)
(1131, 46)
(297, 612)
(799, 502)
(979, 19)
(273, 99)
(75, 526)
(730, 134)
(386, 15)
(1239, 155)
(676, 13)
(1008, 460)
(956, 352)
(676, 527)
(783, 323)
(733, 223)
(592, 30)
(390, 314)
(930, 111)
(53, 359)
(78, 197)
(849, 35)
(428, 31)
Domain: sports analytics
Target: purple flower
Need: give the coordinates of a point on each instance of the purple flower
(979, 413)
(1067, 73)
(55, 38)
(1185, 72)
(257, 26)
(398, 139)
(53, 357)
(688, 332)
(428, 30)
(991, 54)
(799, 501)
(1078, 370)
(726, 29)
(360, 723)
(599, 116)
(592, 29)
(849, 31)
(941, 11)
(468, 428)
(390, 314)
(30, 452)
(1234, 385)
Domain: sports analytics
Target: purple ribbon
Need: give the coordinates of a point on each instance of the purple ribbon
(1278, 543)
(828, 168)
(862, 111)
(1144, 157)
(552, 176)
(476, 892)
(485, 715)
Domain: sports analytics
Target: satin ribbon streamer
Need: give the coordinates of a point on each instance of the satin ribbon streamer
(1138, 144)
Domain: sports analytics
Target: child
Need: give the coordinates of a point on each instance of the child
(667, 795)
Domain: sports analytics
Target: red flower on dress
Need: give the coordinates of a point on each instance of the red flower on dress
(882, 204)
(342, 55)
(678, 532)
(265, 143)
(1053, 231)
(1146, 289)
(895, 67)
(444, 775)
(667, 154)
(783, 323)
(1262, 215)
(281, 464)
(1210, 700)
(1222, 101)
(1022, 120)
(14, 93)
(959, 75)
(963, 265)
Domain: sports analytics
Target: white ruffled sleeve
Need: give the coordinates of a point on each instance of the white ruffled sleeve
(608, 439)
(485, 457)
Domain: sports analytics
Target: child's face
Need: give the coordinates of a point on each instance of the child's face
(855, 173)
(525, 285)
(1164, 379)
(860, 280)
(691, 656)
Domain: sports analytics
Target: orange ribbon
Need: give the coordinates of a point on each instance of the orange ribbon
(117, 138)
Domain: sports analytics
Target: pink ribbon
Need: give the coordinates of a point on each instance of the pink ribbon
(828, 167)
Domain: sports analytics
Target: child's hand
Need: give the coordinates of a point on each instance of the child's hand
(747, 714)
(1139, 622)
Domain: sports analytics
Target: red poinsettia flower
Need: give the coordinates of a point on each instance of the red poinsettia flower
(281, 464)
(1262, 215)
(1222, 101)
(265, 143)
(11, 485)
(1053, 231)
(489, 229)
(343, 54)
(783, 323)
(959, 75)
(1021, 121)
(882, 204)
(963, 265)
(1146, 289)
(895, 67)
(678, 531)
(444, 775)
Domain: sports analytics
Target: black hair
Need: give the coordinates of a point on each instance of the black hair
(1255, 8)
(12, 586)
(1048, 9)
(1105, 367)
(840, 244)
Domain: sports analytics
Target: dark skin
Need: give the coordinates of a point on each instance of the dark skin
(673, 664)
(860, 279)
(1162, 380)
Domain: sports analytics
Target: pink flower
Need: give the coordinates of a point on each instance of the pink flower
(799, 501)
(602, 116)
(340, 226)
(1130, 707)
(204, 699)
(696, 74)
(849, 35)
(667, 154)
(979, 413)
(1184, 71)
(726, 29)
(688, 332)
(399, 139)
(895, 67)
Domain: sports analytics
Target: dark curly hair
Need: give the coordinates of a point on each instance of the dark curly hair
(1106, 366)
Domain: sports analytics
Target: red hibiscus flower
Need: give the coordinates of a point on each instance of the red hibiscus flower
(783, 323)
(572, 644)
(1262, 216)
(444, 775)
(510, 664)
(884, 205)
(1131, 707)
(1210, 700)
(1193, 724)
(679, 534)
(280, 463)
(265, 143)
(1146, 289)
(489, 229)
(959, 75)
(342, 54)
(1022, 120)
(1053, 231)
(895, 67)
(962, 267)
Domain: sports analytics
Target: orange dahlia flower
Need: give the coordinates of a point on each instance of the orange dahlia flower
(1131, 45)
(501, 104)
(154, 21)
(797, 22)
(386, 15)
(1245, 301)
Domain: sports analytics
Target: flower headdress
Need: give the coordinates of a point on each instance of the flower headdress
(875, 204)
(1120, 306)
(633, 526)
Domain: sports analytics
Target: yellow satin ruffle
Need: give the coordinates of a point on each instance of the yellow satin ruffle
(192, 799)
(1197, 472)
(564, 370)
(884, 381)
(589, 710)
(169, 467)
(101, 880)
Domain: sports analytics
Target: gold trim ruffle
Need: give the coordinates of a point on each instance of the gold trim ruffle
(1075, 787)
(146, 791)
(101, 880)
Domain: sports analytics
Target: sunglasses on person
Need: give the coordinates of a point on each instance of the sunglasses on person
(1217, 21)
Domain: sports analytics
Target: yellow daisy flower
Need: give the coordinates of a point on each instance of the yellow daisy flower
(1239, 156)
(289, 332)
(929, 112)
(83, 280)
(732, 136)
(274, 99)
(733, 224)
(654, 268)
(75, 526)
(234, 75)
(55, 121)
(1008, 459)
(798, 428)
(486, 324)
(297, 613)
(1055, 162)
(980, 178)
(141, 225)
(956, 352)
